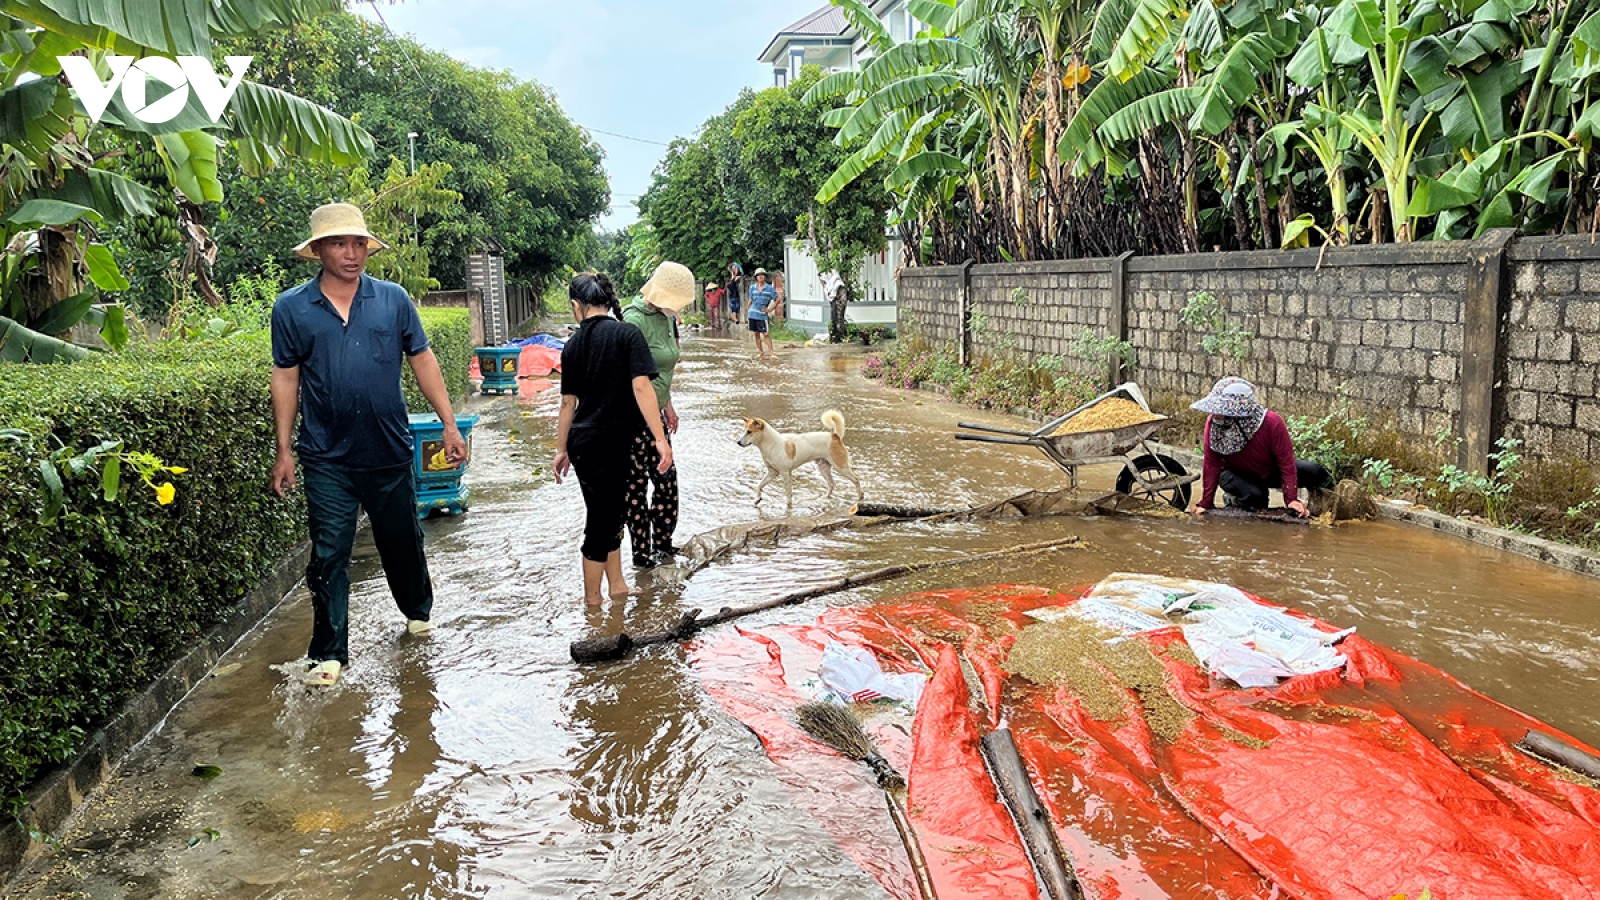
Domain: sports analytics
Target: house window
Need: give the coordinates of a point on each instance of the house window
(797, 61)
(780, 77)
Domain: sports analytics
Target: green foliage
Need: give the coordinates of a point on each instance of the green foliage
(1331, 440)
(96, 603)
(389, 209)
(63, 177)
(750, 178)
(450, 336)
(1220, 335)
(1099, 350)
(1456, 488)
(528, 177)
(996, 380)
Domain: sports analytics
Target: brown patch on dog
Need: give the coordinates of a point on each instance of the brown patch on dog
(837, 452)
(789, 448)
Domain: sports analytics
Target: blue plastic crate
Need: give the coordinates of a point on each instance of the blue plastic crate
(439, 485)
(498, 366)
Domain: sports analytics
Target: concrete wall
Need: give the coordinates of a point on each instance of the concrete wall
(1484, 338)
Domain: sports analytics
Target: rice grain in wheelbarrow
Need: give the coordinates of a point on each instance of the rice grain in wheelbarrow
(1112, 412)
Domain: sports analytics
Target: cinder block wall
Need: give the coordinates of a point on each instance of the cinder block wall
(1479, 338)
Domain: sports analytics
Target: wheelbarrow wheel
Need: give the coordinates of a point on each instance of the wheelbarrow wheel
(1153, 467)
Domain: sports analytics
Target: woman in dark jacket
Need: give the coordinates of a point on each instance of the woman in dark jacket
(606, 399)
(1248, 452)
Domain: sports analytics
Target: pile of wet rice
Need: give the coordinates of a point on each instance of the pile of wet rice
(1112, 412)
(1076, 655)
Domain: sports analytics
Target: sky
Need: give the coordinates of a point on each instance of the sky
(649, 69)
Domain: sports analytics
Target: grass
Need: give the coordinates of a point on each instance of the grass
(995, 380)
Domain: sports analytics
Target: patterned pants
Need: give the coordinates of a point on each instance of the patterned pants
(651, 519)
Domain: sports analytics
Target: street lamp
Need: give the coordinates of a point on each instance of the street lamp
(411, 136)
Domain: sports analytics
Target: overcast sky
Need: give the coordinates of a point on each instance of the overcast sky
(651, 69)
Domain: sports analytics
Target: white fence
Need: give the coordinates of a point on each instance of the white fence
(808, 310)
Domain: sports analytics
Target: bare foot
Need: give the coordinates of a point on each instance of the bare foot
(593, 600)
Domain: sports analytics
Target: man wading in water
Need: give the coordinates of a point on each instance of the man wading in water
(337, 342)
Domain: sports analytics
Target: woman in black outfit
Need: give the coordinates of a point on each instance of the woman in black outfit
(606, 398)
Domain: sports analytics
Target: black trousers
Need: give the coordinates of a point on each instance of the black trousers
(1246, 491)
(603, 478)
(334, 499)
(651, 519)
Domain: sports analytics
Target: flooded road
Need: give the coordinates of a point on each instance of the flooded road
(480, 762)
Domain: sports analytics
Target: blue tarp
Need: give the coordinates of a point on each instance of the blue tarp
(538, 340)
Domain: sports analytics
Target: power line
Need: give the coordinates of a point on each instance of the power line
(630, 138)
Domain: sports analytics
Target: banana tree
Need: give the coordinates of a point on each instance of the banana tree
(48, 155)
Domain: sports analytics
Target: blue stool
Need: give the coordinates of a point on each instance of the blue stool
(498, 365)
(439, 487)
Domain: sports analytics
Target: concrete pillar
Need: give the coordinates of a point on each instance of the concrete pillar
(964, 349)
(1480, 347)
(1117, 324)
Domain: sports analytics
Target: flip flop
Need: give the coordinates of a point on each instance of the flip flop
(323, 674)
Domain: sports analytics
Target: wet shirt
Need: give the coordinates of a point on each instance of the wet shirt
(598, 366)
(1268, 456)
(661, 334)
(352, 411)
(761, 297)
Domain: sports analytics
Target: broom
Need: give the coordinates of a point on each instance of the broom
(838, 728)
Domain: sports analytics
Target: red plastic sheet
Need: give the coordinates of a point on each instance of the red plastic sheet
(1387, 778)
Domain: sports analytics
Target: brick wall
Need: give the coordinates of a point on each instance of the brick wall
(1482, 339)
(1551, 347)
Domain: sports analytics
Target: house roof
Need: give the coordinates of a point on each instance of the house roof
(827, 22)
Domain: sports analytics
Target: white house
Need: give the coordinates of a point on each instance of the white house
(826, 39)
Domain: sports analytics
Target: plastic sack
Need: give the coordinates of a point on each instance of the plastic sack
(853, 674)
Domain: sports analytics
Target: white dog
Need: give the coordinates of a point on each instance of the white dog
(784, 453)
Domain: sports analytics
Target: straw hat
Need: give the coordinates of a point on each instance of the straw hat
(337, 220)
(761, 271)
(671, 288)
(1232, 396)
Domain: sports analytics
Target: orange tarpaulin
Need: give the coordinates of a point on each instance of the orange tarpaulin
(1384, 777)
(535, 362)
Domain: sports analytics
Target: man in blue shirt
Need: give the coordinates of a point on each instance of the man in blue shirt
(762, 296)
(337, 342)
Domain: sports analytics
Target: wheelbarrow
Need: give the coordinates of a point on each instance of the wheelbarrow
(1145, 473)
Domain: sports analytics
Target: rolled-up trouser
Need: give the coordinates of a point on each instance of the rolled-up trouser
(651, 520)
(1246, 491)
(334, 500)
(603, 477)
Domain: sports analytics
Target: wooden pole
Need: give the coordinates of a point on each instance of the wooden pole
(919, 863)
(1010, 774)
(617, 646)
(1546, 747)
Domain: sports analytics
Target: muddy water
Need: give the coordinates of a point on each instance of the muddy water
(478, 762)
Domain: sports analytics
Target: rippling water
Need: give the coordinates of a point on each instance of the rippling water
(479, 762)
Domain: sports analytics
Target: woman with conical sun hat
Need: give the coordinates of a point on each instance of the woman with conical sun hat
(653, 519)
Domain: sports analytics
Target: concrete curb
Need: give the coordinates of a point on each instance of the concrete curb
(53, 800)
(1562, 556)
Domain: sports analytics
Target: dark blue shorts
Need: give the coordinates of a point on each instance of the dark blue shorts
(759, 326)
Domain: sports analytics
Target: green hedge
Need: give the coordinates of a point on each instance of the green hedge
(98, 603)
(450, 334)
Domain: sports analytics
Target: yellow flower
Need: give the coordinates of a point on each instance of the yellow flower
(176, 470)
(165, 493)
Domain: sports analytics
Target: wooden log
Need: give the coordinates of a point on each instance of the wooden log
(902, 512)
(919, 863)
(1281, 516)
(1010, 774)
(1542, 745)
(611, 647)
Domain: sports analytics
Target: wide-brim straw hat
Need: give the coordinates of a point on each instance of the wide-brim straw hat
(337, 220)
(1232, 396)
(671, 288)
